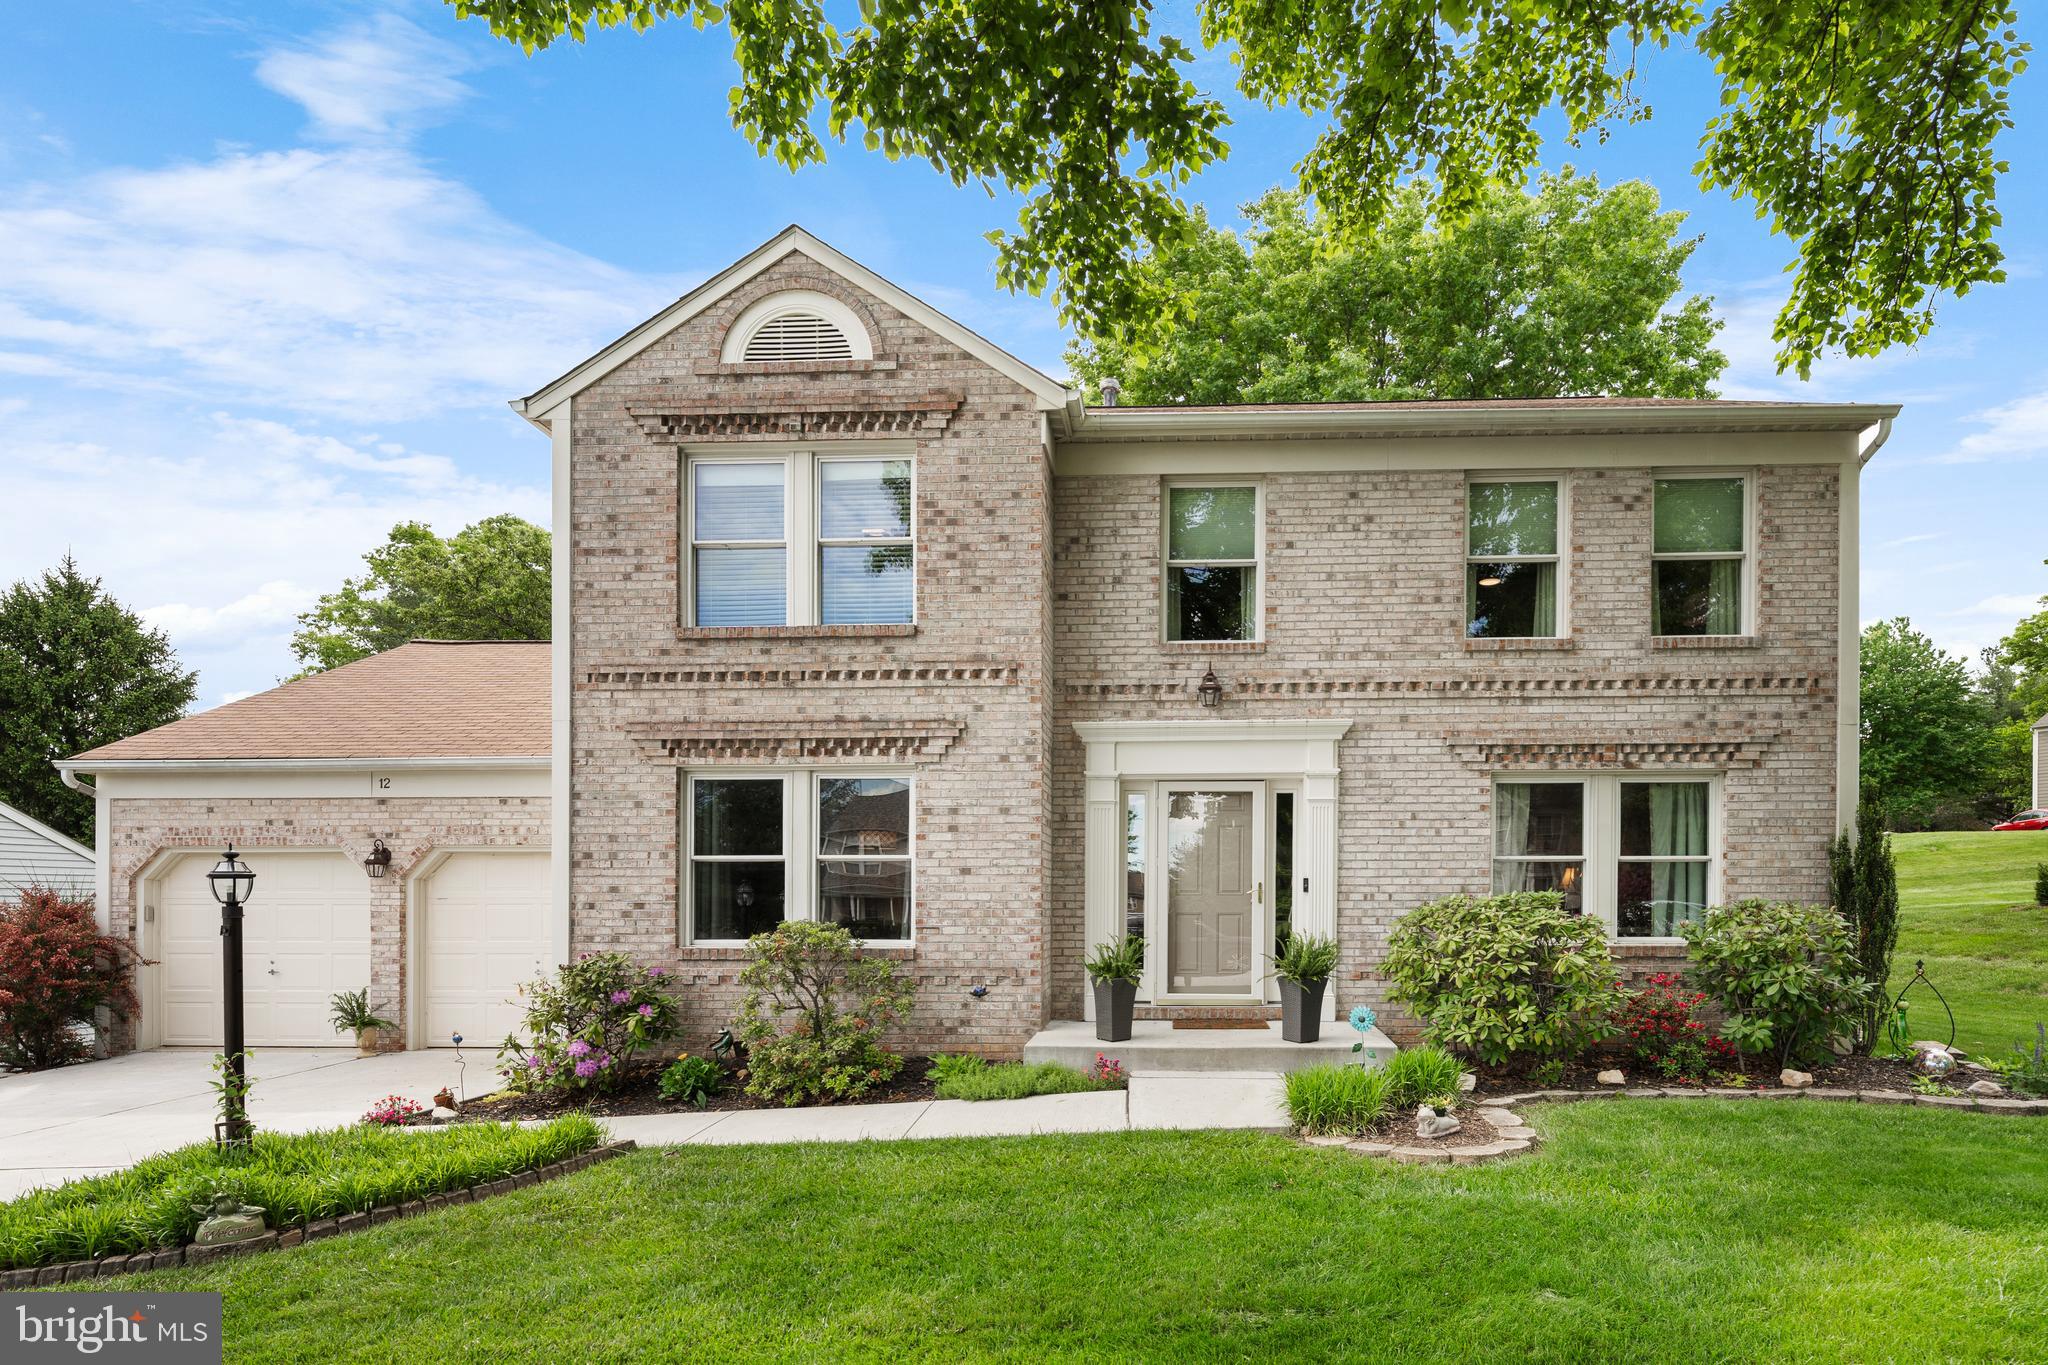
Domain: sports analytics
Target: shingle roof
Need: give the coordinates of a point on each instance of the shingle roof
(1462, 404)
(427, 699)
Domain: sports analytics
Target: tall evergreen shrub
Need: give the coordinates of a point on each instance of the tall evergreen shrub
(1865, 880)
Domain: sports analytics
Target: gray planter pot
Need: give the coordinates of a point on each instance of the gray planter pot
(1301, 1011)
(1113, 1002)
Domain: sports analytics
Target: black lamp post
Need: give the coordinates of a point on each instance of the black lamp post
(232, 882)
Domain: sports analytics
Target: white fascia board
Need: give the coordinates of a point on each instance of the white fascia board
(1049, 393)
(161, 765)
(1084, 426)
(35, 826)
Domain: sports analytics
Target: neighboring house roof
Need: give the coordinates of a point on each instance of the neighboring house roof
(33, 854)
(484, 699)
(1049, 392)
(2041, 724)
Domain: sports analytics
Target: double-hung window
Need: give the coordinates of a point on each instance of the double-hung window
(1214, 540)
(762, 847)
(801, 539)
(1699, 560)
(1637, 852)
(1512, 563)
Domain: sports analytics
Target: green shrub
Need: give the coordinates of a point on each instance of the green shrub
(1016, 1081)
(294, 1178)
(813, 1014)
(1120, 959)
(1420, 1073)
(1327, 1098)
(2041, 885)
(2026, 1071)
(1865, 878)
(1306, 959)
(1506, 977)
(351, 1012)
(948, 1067)
(1785, 976)
(583, 1025)
(691, 1080)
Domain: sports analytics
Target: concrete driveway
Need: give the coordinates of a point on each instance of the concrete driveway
(99, 1116)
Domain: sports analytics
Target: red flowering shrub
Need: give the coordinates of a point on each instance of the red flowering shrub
(56, 968)
(1662, 1034)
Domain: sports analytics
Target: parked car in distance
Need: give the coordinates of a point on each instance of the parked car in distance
(2026, 819)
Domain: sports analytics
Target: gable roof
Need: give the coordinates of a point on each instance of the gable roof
(2041, 724)
(431, 699)
(1051, 394)
(35, 827)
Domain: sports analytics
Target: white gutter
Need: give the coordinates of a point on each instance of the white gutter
(163, 765)
(70, 779)
(1504, 419)
(1884, 433)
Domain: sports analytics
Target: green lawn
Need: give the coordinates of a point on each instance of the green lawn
(1644, 1230)
(1965, 906)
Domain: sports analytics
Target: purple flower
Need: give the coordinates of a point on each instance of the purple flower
(647, 1011)
(588, 1067)
(656, 971)
(621, 997)
(533, 1061)
(579, 1048)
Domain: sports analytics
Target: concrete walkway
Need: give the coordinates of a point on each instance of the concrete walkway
(101, 1116)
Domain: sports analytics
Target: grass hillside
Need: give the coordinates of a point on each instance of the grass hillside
(1966, 907)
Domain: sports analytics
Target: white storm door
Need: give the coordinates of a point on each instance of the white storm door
(1211, 856)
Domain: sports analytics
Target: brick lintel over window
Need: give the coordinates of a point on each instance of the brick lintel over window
(708, 742)
(1579, 754)
(790, 415)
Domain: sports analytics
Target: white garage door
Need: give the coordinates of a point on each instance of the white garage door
(484, 933)
(305, 935)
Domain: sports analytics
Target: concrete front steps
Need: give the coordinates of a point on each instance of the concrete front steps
(1156, 1045)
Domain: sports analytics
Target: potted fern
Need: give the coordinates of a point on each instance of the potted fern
(350, 1012)
(1304, 966)
(1114, 968)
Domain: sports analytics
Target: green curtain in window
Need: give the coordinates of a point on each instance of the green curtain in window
(1678, 828)
(1724, 610)
(1213, 523)
(1546, 600)
(1696, 516)
(1510, 519)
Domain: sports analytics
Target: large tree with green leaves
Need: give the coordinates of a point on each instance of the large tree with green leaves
(1569, 290)
(77, 670)
(1926, 737)
(1862, 130)
(489, 581)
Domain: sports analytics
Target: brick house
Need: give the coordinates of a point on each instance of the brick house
(859, 617)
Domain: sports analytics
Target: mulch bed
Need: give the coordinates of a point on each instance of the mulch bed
(639, 1093)
(1844, 1073)
(1473, 1131)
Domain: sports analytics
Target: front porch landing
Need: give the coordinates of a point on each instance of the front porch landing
(1156, 1045)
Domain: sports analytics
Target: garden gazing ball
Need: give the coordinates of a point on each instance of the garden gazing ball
(1928, 1062)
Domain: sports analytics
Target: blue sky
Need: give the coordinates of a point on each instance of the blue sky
(268, 272)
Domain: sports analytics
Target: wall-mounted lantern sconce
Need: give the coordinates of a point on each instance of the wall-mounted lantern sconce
(1211, 690)
(379, 861)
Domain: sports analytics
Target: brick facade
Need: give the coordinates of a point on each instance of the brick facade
(1038, 606)
(414, 828)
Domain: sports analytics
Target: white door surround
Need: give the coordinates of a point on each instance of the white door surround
(1302, 753)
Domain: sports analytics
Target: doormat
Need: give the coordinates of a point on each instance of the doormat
(1221, 1023)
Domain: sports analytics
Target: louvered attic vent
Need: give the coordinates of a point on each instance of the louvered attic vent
(798, 336)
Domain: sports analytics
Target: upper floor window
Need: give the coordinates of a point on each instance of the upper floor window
(1700, 556)
(1214, 543)
(1638, 852)
(1512, 564)
(801, 539)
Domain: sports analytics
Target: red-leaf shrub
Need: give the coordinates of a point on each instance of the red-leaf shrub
(1658, 1027)
(56, 968)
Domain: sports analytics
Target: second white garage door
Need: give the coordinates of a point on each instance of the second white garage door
(483, 934)
(305, 935)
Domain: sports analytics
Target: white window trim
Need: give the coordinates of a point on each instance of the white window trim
(1562, 558)
(799, 837)
(1257, 564)
(819, 540)
(1601, 850)
(765, 310)
(801, 491)
(1747, 555)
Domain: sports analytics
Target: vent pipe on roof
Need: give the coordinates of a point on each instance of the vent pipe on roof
(1111, 391)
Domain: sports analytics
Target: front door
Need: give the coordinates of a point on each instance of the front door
(1214, 855)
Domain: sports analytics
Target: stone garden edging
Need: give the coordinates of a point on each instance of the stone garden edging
(67, 1272)
(1515, 1137)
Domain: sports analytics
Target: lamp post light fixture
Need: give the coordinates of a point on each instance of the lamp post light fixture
(1211, 689)
(232, 883)
(379, 861)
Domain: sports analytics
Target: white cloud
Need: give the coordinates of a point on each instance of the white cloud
(2009, 605)
(270, 606)
(378, 78)
(1904, 541)
(1750, 310)
(2018, 428)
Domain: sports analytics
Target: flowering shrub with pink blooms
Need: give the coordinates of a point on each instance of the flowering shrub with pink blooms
(1109, 1073)
(393, 1110)
(582, 1026)
(1660, 1028)
(813, 1015)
